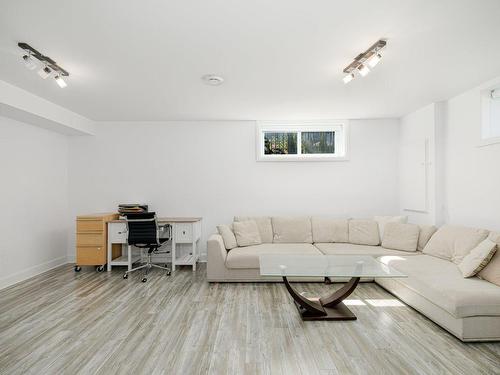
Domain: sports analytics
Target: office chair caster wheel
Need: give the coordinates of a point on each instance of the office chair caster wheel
(99, 268)
(125, 276)
(169, 273)
(78, 268)
(144, 280)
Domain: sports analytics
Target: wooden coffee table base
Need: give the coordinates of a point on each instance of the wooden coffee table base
(325, 308)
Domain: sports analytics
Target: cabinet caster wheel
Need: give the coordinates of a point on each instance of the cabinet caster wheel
(144, 280)
(99, 268)
(125, 276)
(78, 268)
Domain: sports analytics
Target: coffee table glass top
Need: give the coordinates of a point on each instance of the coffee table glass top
(325, 265)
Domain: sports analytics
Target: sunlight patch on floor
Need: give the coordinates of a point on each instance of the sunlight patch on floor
(385, 302)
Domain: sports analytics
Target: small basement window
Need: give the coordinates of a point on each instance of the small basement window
(303, 141)
(490, 127)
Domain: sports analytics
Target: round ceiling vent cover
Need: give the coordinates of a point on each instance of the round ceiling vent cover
(212, 80)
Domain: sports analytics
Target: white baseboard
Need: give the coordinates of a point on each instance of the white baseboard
(31, 271)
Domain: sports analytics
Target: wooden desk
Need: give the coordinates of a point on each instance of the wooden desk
(185, 230)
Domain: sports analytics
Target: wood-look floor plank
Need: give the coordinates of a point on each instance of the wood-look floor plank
(63, 322)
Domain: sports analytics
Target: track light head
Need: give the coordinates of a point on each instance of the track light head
(44, 72)
(29, 61)
(60, 81)
(348, 78)
(363, 70)
(374, 60)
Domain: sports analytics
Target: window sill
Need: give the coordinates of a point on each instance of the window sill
(301, 158)
(488, 142)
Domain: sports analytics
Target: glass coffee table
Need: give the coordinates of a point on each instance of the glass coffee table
(329, 307)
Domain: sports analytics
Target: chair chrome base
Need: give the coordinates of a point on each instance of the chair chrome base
(147, 266)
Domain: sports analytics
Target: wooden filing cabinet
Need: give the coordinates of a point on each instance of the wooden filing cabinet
(91, 240)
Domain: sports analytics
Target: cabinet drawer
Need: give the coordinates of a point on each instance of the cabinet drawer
(90, 255)
(89, 226)
(183, 233)
(117, 232)
(86, 239)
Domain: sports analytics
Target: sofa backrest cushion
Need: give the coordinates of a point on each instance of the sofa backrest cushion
(330, 230)
(491, 272)
(226, 232)
(383, 220)
(453, 242)
(364, 232)
(292, 229)
(398, 236)
(246, 233)
(426, 232)
(478, 258)
(264, 225)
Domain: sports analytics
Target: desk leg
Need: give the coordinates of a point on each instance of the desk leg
(129, 257)
(109, 255)
(195, 255)
(173, 255)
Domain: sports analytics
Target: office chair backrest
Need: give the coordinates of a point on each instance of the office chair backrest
(142, 228)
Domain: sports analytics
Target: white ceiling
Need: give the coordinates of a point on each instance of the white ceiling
(281, 59)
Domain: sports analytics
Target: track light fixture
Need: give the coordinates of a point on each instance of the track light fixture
(29, 61)
(44, 72)
(370, 57)
(49, 66)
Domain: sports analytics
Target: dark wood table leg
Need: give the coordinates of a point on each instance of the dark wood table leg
(327, 308)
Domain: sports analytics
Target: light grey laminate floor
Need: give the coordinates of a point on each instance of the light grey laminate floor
(63, 322)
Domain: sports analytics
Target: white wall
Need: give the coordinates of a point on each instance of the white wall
(209, 169)
(472, 177)
(464, 178)
(34, 190)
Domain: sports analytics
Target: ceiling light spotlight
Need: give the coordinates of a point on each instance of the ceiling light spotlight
(212, 80)
(374, 60)
(60, 81)
(363, 70)
(44, 72)
(348, 78)
(29, 61)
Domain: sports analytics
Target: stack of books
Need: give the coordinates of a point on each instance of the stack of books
(136, 208)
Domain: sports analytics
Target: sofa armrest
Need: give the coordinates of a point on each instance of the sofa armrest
(216, 258)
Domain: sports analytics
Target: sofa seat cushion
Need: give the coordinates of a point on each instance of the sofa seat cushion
(441, 282)
(352, 249)
(248, 257)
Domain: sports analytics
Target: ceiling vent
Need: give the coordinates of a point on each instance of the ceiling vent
(212, 80)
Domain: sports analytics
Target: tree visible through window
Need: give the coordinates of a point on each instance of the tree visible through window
(318, 142)
(280, 143)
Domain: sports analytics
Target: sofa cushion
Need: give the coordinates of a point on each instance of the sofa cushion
(353, 249)
(292, 229)
(441, 282)
(478, 258)
(330, 230)
(248, 257)
(264, 225)
(228, 236)
(426, 232)
(400, 236)
(364, 232)
(453, 243)
(383, 220)
(246, 233)
(491, 272)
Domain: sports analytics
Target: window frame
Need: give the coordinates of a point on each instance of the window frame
(485, 130)
(340, 127)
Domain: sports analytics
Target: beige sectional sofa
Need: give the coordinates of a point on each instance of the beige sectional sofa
(469, 307)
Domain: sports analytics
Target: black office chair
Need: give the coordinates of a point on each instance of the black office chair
(143, 232)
